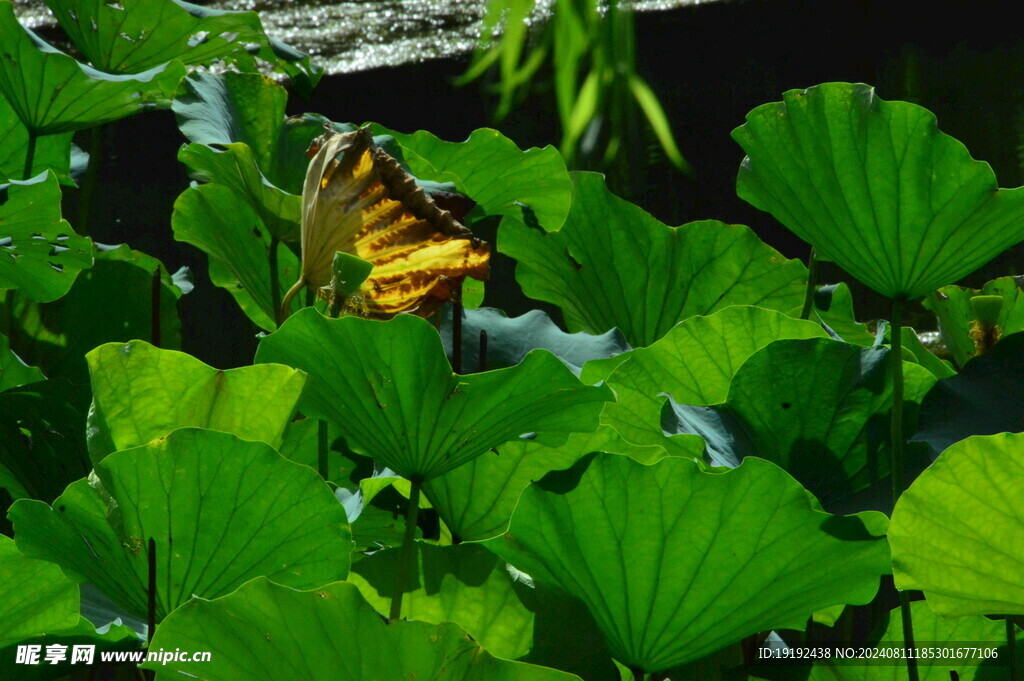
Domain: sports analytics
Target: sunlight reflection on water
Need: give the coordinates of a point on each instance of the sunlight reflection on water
(359, 35)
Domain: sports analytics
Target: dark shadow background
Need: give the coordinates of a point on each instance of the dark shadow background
(710, 64)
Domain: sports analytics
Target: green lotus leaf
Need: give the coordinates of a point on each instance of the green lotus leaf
(876, 188)
(37, 597)
(490, 169)
(509, 339)
(264, 631)
(985, 398)
(614, 266)
(53, 93)
(221, 223)
(675, 563)
(957, 533)
(53, 152)
(466, 584)
(694, 362)
(234, 166)
(13, 370)
(141, 392)
(135, 35)
(818, 408)
(476, 499)
(221, 511)
(248, 108)
(952, 306)
(963, 632)
(109, 637)
(388, 389)
(42, 255)
(110, 302)
(42, 438)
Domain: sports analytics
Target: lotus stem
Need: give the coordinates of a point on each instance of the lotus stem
(275, 282)
(154, 308)
(92, 173)
(812, 285)
(30, 154)
(896, 437)
(1011, 644)
(282, 312)
(321, 448)
(406, 556)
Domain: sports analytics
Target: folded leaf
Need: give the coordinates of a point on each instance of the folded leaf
(876, 188)
(388, 389)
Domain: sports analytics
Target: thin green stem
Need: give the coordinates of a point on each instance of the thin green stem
(896, 429)
(1011, 644)
(30, 154)
(812, 285)
(275, 282)
(407, 556)
(896, 437)
(92, 173)
(321, 448)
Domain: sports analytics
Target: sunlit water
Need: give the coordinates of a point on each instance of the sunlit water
(360, 35)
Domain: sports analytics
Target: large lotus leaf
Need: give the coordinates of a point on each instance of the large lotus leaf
(985, 398)
(265, 632)
(13, 370)
(37, 598)
(389, 390)
(112, 301)
(221, 511)
(42, 438)
(344, 467)
(876, 188)
(53, 152)
(957, 533)
(675, 563)
(466, 584)
(53, 93)
(476, 499)
(40, 255)
(490, 169)
(614, 266)
(234, 166)
(221, 223)
(135, 35)
(694, 362)
(509, 339)
(141, 392)
(818, 408)
(952, 306)
(954, 635)
(250, 109)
